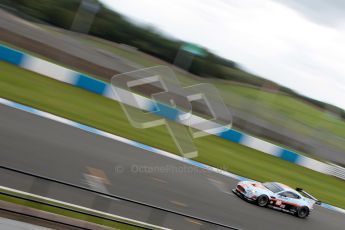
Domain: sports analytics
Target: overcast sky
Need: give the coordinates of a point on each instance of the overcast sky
(297, 43)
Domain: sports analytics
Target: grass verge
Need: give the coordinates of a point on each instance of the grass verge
(67, 213)
(79, 105)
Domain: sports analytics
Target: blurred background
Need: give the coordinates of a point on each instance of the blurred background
(115, 42)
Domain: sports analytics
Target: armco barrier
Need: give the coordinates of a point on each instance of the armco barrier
(59, 220)
(83, 81)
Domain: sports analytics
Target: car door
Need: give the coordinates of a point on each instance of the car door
(282, 199)
(287, 199)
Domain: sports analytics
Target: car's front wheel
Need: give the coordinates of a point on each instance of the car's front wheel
(302, 212)
(262, 200)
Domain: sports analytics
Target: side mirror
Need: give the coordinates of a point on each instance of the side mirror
(318, 202)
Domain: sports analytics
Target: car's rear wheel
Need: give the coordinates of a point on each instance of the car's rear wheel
(262, 200)
(302, 212)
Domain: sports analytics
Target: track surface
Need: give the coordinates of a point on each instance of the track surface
(55, 150)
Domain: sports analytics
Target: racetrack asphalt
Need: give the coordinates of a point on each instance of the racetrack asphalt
(55, 150)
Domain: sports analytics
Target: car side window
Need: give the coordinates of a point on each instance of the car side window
(295, 196)
(290, 195)
(284, 194)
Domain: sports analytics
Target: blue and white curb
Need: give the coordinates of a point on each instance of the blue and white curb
(83, 81)
(135, 144)
(333, 208)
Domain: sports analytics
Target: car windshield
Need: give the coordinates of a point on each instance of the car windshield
(273, 187)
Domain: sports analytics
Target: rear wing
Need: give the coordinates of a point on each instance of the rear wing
(307, 195)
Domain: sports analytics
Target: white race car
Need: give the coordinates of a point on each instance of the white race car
(278, 196)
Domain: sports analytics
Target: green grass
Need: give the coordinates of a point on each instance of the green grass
(67, 213)
(76, 104)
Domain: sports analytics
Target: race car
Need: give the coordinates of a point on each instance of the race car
(277, 196)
